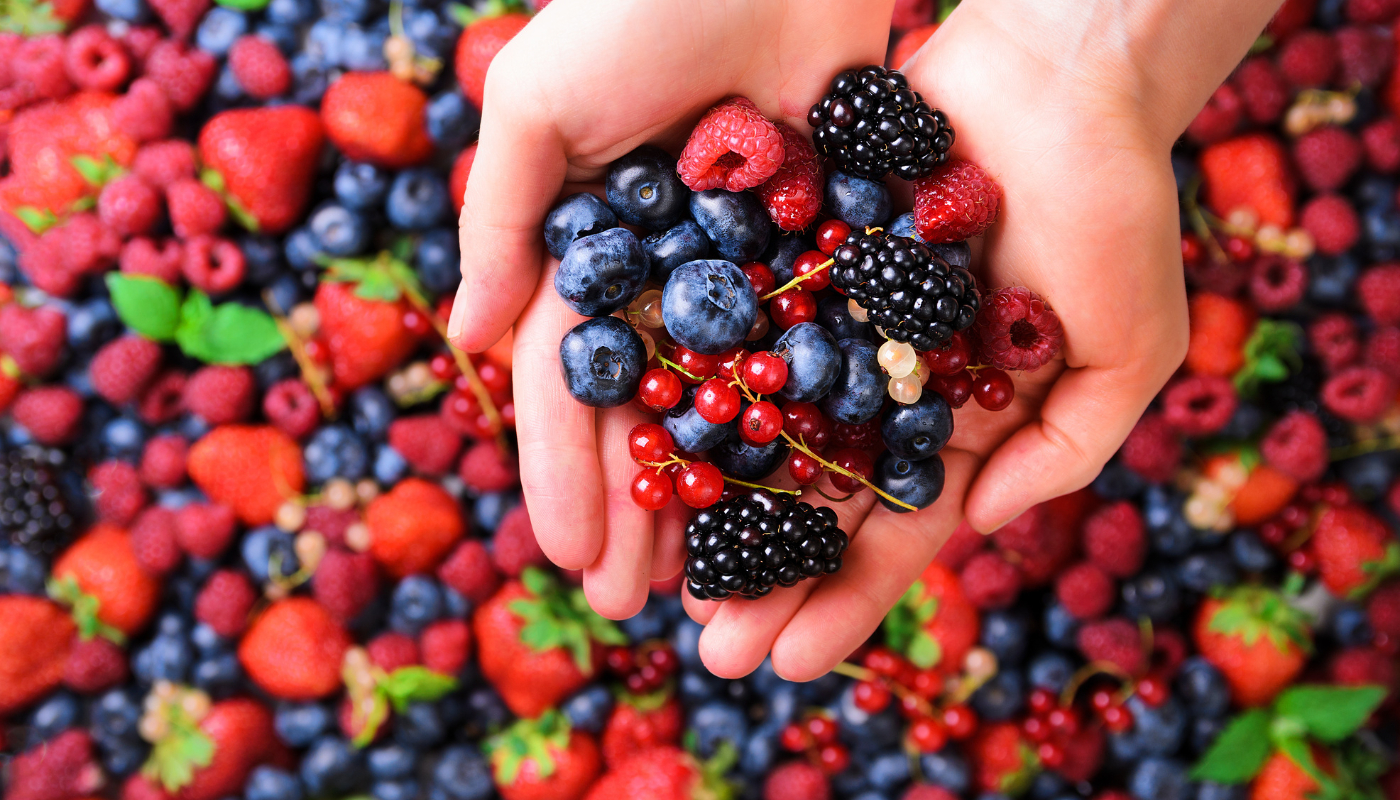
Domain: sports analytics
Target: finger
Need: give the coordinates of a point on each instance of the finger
(518, 171)
(559, 468)
(668, 547)
(617, 583)
(886, 556)
(702, 611)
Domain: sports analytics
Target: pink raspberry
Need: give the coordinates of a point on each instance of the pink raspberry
(163, 400)
(1372, 12)
(1199, 405)
(39, 69)
(124, 367)
(1379, 292)
(1263, 90)
(153, 540)
(1152, 449)
(485, 468)
(94, 666)
(446, 646)
(1358, 394)
(140, 40)
(1115, 539)
(1383, 351)
(36, 338)
(1085, 591)
(1381, 140)
(390, 651)
(221, 394)
(259, 67)
(1308, 59)
(345, 582)
(990, 581)
(426, 442)
(793, 195)
(733, 147)
(1116, 641)
(195, 209)
(163, 461)
(1018, 331)
(1334, 340)
(291, 406)
(180, 16)
(958, 201)
(204, 530)
(142, 256)
(963, 544)
(514, 546)
(129, 206)
(95, 60)
(163, 163)
(50, 413)
(213, 265)
(1219, 117)
(1296, 445)
(184, 72)
(1326, 157)
(1365, 55)
(470, 571)
(118, 492)
(331, 522)
(225, 602)
(86, 245)
(1333, 225)
(1383, 608)
(144, 113)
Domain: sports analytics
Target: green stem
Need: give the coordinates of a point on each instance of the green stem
(669, 364)
(795, 282)
(834, 468)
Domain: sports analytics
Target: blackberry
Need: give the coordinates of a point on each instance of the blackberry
(37, 511)
(906, 288)
(751, 543)
(871, 124)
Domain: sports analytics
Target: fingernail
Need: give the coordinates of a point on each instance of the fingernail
(457, 320)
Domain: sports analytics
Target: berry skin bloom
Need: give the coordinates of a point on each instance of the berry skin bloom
(1018, 331)
(733, 147)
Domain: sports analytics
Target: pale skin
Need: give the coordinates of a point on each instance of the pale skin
(1072, 105)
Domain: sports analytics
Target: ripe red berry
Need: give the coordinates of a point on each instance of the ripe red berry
(651, 490)
(871, 696)
(831, 234)
(852, 460)
(649, 442)
(700, 485)
(1153, 690)
(760, 277)
(928, 735)
(792, 307)
(1036, 729)
(960, 721)
(864, 436)
(761, 424)
(801, 421)
(1117, 719)
(660, 389)
(955, 388)
(698, 364)
(1064, 720)
(1042, 701)
(834, 758)
(822, 729)
(814, 263)
(765, 373)
(952, 359)
(1050, 754)
(793, 738)
(804, 469)
(992, 389)
(716, 401)
(883, 661)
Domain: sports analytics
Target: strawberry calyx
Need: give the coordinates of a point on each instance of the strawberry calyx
(534, 740)
(171, 724)
(1254, 611)
(559, 617)
(373, 691)
(385, 277)
(1378, 570)
(85, 609)
(1270, 356)
(30, 18)
(904, 627)
(644, 703)
(213, 179)
(1018, 781)
(712, 785)
(466, 15)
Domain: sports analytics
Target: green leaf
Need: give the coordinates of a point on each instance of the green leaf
(1239, 752)
(537, 581)
(178, 754)
(1270, 355)
(378, 285)
(27, 18)
(945, 7)
(924, 651)
(1299, 752)
(194, 315)
(85, 203)
(84, 608)
(415, 685)
(241, 214)
(1330, 713)
(37, 220)
(238, 334)
(1264, 42)
(146, 305)
(244, 5)
(402, 249)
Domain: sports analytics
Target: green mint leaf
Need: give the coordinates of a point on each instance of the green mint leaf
(238, 334)
(414, 685)
(146, 305)
(92, 170)
(194, 318)
(1330, 713)
(1239, 752)
(924, 651)
(37, 220)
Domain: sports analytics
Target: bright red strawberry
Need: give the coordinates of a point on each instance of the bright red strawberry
(243, 738)
(104, 566)
(366, 338)
(958, 201)
(294, 650)
(663, 773)
(375, 117)
(934, 624)
(1281, 779)
(1219, 328)
(413, 527)
(641, 722)
(35, 637)
(252, 469)
(1256, 640)
(543, 759)
(533, 677)
(1249, 171)
(1354, 550)
(267, 157)
(480, 43)
(793, 195)
(1002, 760)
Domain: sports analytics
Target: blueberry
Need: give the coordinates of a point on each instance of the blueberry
(53, 716)
(123, 758)
(166, 658)
(219, 29)
(360, 185)
(335, 451)
(946, 768)
(1352, 626)
(643, 189)
(1153, 594)
(286, 37)
(415, 604)
(736, 222)
(709, 306)
(588, 710)
(781, 253)
(603, 361)
(1156, 731)
(391, 761)
(1005, 634)
(115, 716)
(417, 200)
(389, 466)
(918, 483)
(863, 730)
(338, 230)
(603, 273)
(760, 751)
(395, 790)
(362, 49)
(1200, 571)
(903, 225)
(263, 546)
(302, 249)
(1051, 670)
(220, 675)
(1160, 779)
(21, 573)
(1202, 688)
(679, 244)
(834, 314)
(649, 623)
(371, 412)
(1060, 626)
(1369, 475)
(1000, 698)
(813, 359)
(207, 641)
(123, 438)
(310, 77)
(1204, 732)
(452, 121)
(888, 771)
(739, 459)
(331, 765)
(856, 201)
(262, 258)
(685, 640)
(486, 713)
(461, 774)
(918, 430)
(717, 722)
(957, 254)
(291, 12)
(859, 391)
(1219, 791)
(270, 783)
(576, 216)
(226, 85)
(691, 432)
(432, 36)
(1245, 422)
(351, 10)
(491, 507)
(437, 260)
(1050, 786)
(419, 725)
(126, 10)
(92, 324)
(454, 604)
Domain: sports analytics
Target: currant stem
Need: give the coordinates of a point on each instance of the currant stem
(1363, 447)
(792, 284)
(669, 364)
(464, 364)
(312, 374)
(802, 448)
(854, 671)
(1092, 670)
(660, 465)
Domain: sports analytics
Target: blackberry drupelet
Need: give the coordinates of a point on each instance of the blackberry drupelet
(36, 511)
(751, 543)
(906, 289)
(871, 124)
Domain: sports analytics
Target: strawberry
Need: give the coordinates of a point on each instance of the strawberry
(665, 773)
(375, 117)
(1281, 779)
(1354, 550)
(543, 759)
(1002, 760)
(294, 650)
(1263, 495)
(640, 722)
(102, 565)
(457, 178)
(212, 759)
(536, 641)
(1249, 171)
(480, 43)
(909, 44)
(252, 469)
(1256, 639)
(266, 158)
(1219, 328)
(933, 624)
(35, 637)
(366, 338)
(413, 527)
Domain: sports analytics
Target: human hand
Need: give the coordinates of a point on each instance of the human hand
(584, 83)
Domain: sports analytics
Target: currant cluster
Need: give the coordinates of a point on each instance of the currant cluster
(920, 694)
(643, 668)
(815, 736)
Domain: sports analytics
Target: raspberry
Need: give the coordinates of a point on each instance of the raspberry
(1379, 292)
(259, 67)
(94, 666)
(50, 413)
(793, 194)
(446, 646)
(927, 791)
(514, 546)
(796, 780)
(221, 394)
(163, 163)
(1018, 331)
(426, 442)
(1038, 542)
(1152, 449)
(39, 71)
(1085, 591)
(345, 582)
(1362, 666)
(162, 401)
(95, 60)
(1335, 341)
(1326, 157)
(1308, 59)
(961, 545)
(390, 651)
(1115, 539)
(1332, 223)
(733, 147)
(153, 540)
(144, 113)
(1371, 12)
(956, 202)
(990, 581)
(213, 265)
(1383, 610)
(1277, 283)
(180, 16)
(1296, 445)
(485, 468)
(163, 461)
(61, 767)
(1381, 141)
(195, 209)
(330, 522)
(1383, 351)
(183, 72)
(87, 245)
(1219, 117)
(1365, 55)
(129, 206)
(1358, 394)
(140, 40)
(34, 337)
(1116, 641)
(42, 263)
(1199, 405)
(225, 603)
(124, 367)
(119, 495)
(204, 530)
(468, 570)
(1262, 89)
(291, 406)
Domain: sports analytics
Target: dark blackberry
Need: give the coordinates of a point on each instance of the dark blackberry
(751, 543)
(37, 510)
(871, 124)
(907, 289)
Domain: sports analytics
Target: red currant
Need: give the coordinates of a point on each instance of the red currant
(955, 388)
(993, 389)
(1042, 701)
(495, 377)
(760, 277)
(1302, 561)
(664, 659)
(761, 424)
(813, 261)
(831, 234)
(1191, 249)
(619, 660)
(661, 389)
(883, 661)
(635, 683)
(1117, 719)
(822, 729)
(928, 735)
(1064, 720)
(1035, 729)
(443, 367)
(834, 758)
(765, 373)
(1050, 754)
(700, 365)
(1102, 700)
(801, 420)
(960, 721)
(792, 307)
(952, 359)
(650, 443)
(871, 696)
(717, 401)
(1153, 690)
(651, 490)
(700, 485)
(927, 683)
(416, 322)
(855, 461)
(804, 469)
(793, 738)
(1239, 248)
